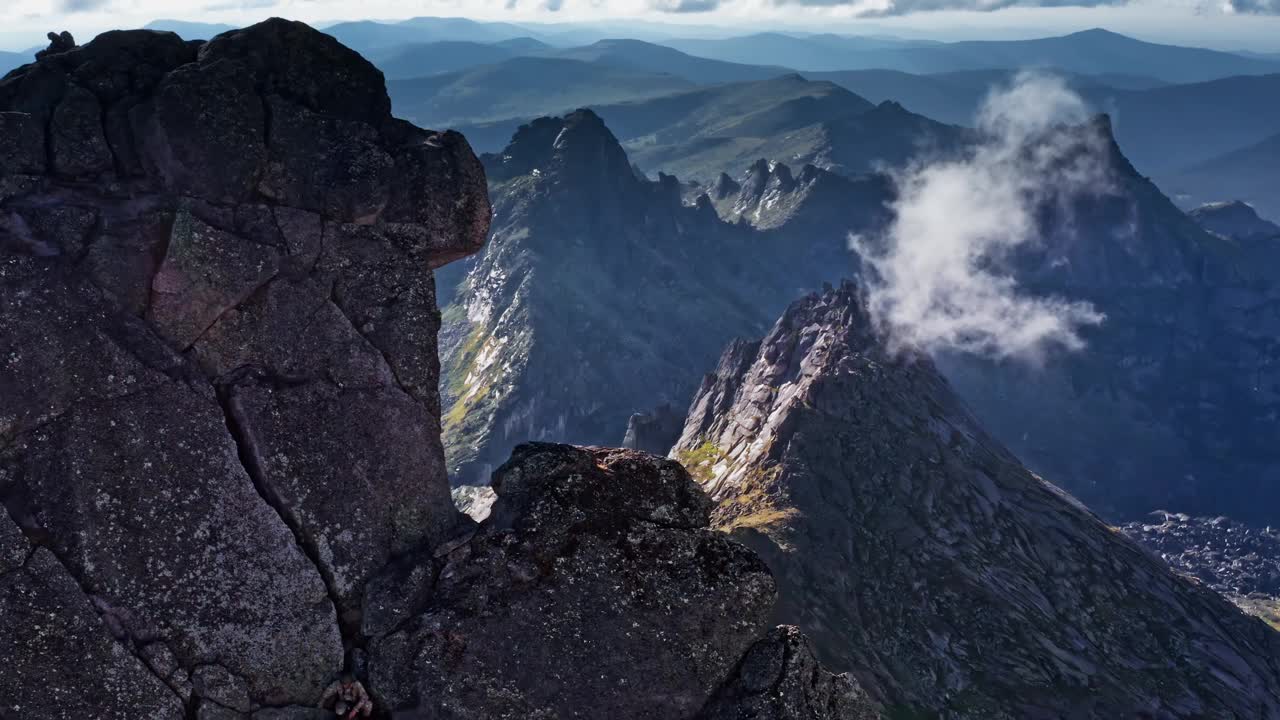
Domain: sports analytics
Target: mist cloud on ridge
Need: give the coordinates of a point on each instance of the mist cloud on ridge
(939, 279)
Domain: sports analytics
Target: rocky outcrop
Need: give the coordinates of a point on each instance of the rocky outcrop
(219, 369)
(920, 555)
(596, 588)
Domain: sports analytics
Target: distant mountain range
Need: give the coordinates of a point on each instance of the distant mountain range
(1091, 52)
(807, 53)
(491, 87)
(432, 58)
(421, 59)
(366, 35)
(1177, 127)
(700, 132)
(1202, 120)
(520, 87)
(955, 97)
(697, 135)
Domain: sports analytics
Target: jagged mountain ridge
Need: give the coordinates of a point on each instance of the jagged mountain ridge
(1181, 305)
(547, 284)
(921, 556)
(594, 267)
(770, 196)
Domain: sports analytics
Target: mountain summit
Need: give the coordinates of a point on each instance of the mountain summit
(924, 558)
(599, 294)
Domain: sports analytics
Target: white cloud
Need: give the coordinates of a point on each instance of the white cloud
(940, 280)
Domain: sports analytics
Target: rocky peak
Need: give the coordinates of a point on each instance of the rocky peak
(530, 148)
(724, 187)
(217, 258)
(577, 149)
(599, 268)
(923, 558)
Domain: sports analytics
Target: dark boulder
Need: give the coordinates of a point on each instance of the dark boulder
(595, 589)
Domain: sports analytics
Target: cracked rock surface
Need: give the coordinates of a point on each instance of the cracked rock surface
(218, 367)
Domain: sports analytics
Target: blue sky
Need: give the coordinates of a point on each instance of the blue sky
(1223, 24)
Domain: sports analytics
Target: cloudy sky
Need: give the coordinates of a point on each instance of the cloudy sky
(1223, 24)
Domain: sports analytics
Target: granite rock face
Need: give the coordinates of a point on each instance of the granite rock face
(70, 666)
(596, 589)
(922, 557)
(219, 365)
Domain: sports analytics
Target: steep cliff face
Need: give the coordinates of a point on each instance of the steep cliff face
(220, 412)
(923, 557)
(599, 294)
